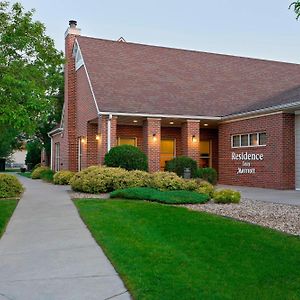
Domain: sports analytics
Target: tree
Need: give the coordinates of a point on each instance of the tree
(296, 7)
(30, 73)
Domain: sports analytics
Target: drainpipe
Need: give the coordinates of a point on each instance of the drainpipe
(109, 132)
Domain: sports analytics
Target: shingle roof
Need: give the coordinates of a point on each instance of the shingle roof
(135, 78)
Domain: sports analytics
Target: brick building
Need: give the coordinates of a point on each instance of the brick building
(238, 115)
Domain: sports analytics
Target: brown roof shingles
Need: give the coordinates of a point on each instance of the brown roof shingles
(135, 78)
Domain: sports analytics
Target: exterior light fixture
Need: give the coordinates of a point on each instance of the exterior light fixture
(135, 121)
(97, 137)
(194, 139)
(154, 137)
(205, 124)
(171, 123)
(83, 140)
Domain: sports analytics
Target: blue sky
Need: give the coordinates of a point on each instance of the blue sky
(258, 28)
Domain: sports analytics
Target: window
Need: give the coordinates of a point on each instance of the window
(79, 154)
(57, 157)
(127, 141)
(205, 154)
(249, 140)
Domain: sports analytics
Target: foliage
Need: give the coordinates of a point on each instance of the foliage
(37, 172)
(227, 196)
(168, 197)
(47, 175)
(178, 164)
(97, 179)
(127, 157)
(208, 174)
(63, 177)
(8, 139)
(205, 187)
(7, 208)
(192, 255)
(10, 186)
(167, 181)
(33, 155)
(30, 72)
(296, 7)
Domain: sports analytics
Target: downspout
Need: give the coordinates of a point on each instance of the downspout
(109, 132)
(51, 154)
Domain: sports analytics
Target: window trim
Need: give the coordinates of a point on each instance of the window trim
(248, 134)
(57, 157)
(128, 137)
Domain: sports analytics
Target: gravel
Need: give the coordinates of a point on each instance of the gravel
(77, 195)
(281, 217)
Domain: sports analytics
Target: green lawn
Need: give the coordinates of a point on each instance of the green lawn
(7, 208)
(165, 252)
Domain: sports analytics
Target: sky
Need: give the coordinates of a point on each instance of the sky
(264, 29)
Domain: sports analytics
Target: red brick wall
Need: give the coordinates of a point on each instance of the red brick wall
(131, 131)
(277, 170)
(190, 148)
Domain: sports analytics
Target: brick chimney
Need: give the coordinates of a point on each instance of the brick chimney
(70, 96)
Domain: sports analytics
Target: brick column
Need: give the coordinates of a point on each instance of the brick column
(152, 136)
(92, 144)
(190, 137)
(103, 136)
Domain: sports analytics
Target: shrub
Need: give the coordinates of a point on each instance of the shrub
(47, 175)
(104, 179)
(205, 187)
(127, 157)
(208, 174)
(62, 177)
(178, 164)
(167, 181)
(9, 186)
(169, 197)
(227, 196)
(36, 174)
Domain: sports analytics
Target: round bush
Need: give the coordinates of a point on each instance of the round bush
(227, 196)
(62, 177)
(9, 186)
(206, 188)
(37, 173)
(127, 157)
(208, 174)
(178, 164)
(167, 181)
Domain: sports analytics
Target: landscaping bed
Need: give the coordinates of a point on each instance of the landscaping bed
(281, 217)
(167, 252)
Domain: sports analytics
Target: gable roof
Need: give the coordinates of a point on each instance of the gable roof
(135, 78)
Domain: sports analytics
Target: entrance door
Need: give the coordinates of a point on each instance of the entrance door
(167, 151)
(297, 143)
(205, 153)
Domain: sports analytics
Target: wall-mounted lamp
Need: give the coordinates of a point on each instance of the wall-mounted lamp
(97, 137)
(154, 137)
(194, 140)
(83, 141)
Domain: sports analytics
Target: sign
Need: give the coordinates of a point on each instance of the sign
(246, 159)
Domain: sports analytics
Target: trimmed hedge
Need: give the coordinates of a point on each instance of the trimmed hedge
(178, 164)
(205, 187)
(208, 174)
(168, 197)
(227, 196)
(127, 157)
(63, 177)
(10, 186)
(47, 175)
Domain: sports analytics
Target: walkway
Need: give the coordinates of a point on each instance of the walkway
(290, 197)
(47, 253)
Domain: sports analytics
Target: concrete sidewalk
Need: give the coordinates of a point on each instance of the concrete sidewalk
(47, 253)
(290, 197)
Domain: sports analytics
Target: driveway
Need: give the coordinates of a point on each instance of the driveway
(47, 253)
(290, 197)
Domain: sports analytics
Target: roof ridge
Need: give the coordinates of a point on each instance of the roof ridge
(191, 50)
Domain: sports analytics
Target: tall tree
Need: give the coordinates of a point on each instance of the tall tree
(296, 7)
(30, 72)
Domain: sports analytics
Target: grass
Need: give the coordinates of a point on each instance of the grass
(166, 252)
(168, 197)
(25, 174)
(7, 208)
